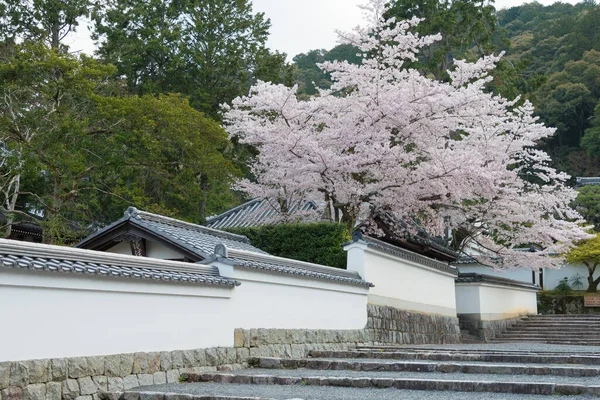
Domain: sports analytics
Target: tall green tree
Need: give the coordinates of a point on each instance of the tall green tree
(47, 21)
(588, 204)
(210, 51)
(588, 254)
(467, 28)
(49, 131)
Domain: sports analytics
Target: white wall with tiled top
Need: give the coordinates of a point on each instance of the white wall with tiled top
(51, 314)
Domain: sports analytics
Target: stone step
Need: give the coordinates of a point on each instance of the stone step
(229, 391)
(308, 378)
(465, 368)
(546, 341)
(584, 328)
(470, 349)
(463, 356)
(552, 335)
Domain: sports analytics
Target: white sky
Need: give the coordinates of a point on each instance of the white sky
(302, 25)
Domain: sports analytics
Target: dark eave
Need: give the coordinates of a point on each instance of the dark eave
(108, 237)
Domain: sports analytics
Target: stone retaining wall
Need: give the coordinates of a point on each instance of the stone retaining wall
(486, 330)
(388, 325)
(85, 378)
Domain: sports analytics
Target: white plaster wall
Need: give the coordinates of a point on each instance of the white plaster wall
(47, 315)
(520, 274)
(156, 250)
(408, 285)
(552, 276)
(467, 299)
(270, 300)
(121, 248)
(494, 302)
(153, 250)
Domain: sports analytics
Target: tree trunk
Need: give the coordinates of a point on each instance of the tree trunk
(592, 283)
(202, 202)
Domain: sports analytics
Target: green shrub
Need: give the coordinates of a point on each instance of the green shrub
(319, 243)
(563, 286)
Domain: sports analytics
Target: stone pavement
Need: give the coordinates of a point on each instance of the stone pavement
(490, 371)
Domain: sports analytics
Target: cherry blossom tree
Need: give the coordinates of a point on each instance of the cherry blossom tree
(386, 139)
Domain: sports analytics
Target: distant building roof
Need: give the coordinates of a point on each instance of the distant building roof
(472, 277)
(195, 241)
(581, 181)
(257, 212)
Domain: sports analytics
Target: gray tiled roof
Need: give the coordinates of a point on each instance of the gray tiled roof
(403, 253)
(294, 267)
(198, 239)
(581, 181)
(472, 277)
(256, 212)
(39, 257)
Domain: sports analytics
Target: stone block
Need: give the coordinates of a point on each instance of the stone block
(160, 378)
(115, 384)
(58, 367)
(96, 365)
(241, 338)
(254, 340)
(242, 354)
(127, 361)
(177, 359)
(140, 363)
(77, 367)
(4, 375)
(70, 389)
(86, 386)
(145, 379)
(153, 362)
(199, 358)
(36, 391)
(112, 365)
(12, 393)
(188, 358)
(53, 391)
(101, 382)
(166, 361)
(173, 376)
(230, 355)
(130, 396)
(39, 371)
(152, 396)
(130, 382)
(84, 398)
(109, 395)
(19, 374)
(212, 358)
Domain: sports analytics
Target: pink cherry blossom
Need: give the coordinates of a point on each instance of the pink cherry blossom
(386, 139)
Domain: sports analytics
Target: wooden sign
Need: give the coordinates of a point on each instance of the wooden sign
(591, 301)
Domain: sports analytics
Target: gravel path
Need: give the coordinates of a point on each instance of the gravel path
(333, 393)
(304, 373)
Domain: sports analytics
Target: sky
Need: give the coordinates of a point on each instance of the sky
(298, 26)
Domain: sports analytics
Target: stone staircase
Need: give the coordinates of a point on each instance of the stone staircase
(502, 371)
(570, 329)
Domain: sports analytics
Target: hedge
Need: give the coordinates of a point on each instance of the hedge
(319, 243)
